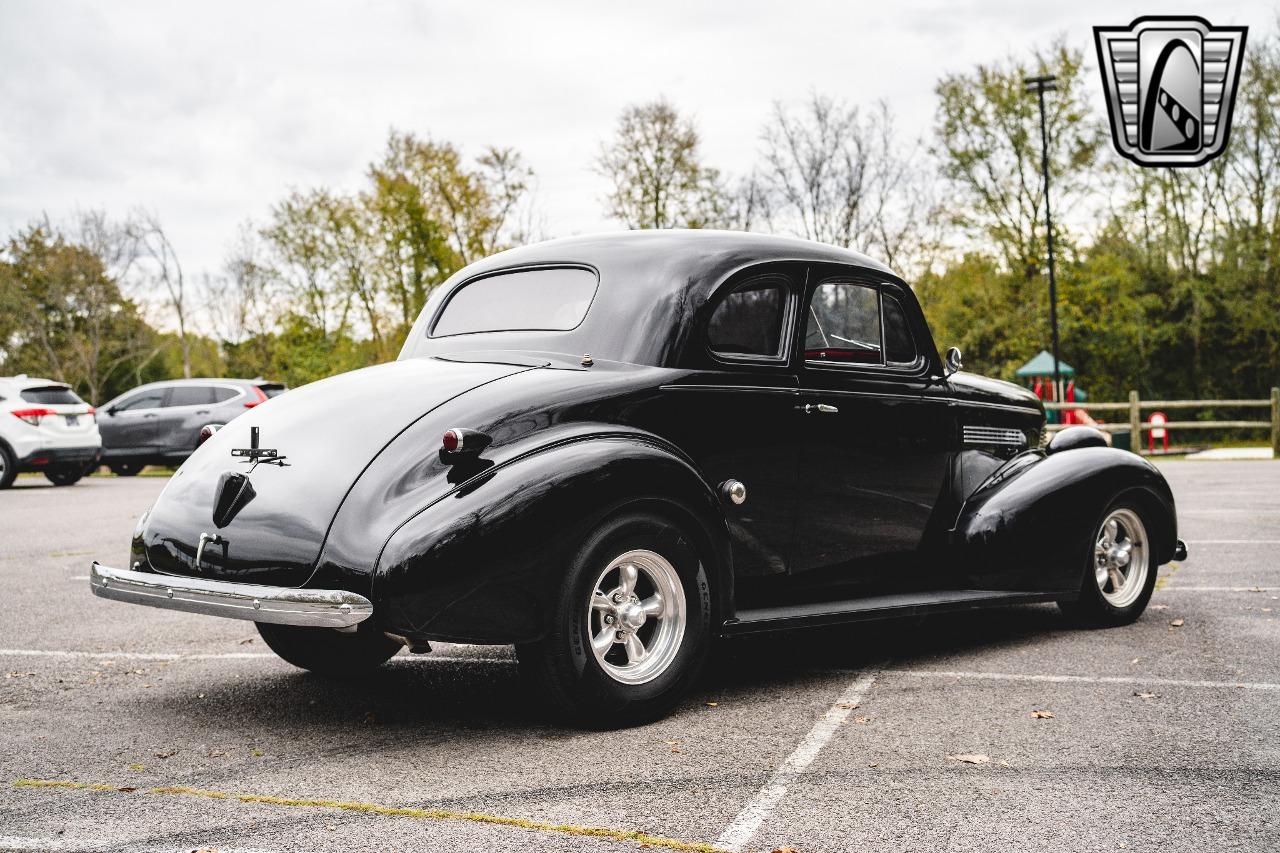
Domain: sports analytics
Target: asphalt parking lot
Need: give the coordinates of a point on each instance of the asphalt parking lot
(130, 729)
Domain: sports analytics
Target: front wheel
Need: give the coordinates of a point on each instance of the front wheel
(8, 467)
(125, 469)
(630, 627)
(327, 652)
(1121, 573)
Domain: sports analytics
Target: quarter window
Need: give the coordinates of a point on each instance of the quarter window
(748, 322)
(843, 324)
(899, 346)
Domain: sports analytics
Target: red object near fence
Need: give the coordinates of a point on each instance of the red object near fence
(1158, 430)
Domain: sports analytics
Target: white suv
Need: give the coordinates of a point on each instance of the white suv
(45, 427)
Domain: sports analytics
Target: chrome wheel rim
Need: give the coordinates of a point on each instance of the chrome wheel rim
(1121, 558)
(636, 617)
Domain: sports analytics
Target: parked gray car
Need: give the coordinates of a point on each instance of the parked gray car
(160, 423)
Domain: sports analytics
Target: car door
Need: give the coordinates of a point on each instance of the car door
(131, 424)
(733, 416)
(185, 410)
(874, 443)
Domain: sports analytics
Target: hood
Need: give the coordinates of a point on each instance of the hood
(266, 523)
(971, 386)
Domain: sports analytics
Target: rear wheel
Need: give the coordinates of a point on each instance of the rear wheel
(64, 475)
(324, 651)
(630, 629)
(1121, 573)
(125, 469)
(8, 467)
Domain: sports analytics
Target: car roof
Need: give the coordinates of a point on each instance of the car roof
(652, 282)
(22, 381)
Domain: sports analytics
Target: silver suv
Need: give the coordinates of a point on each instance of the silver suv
(160, 423)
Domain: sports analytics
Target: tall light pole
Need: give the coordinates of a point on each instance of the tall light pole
(1040, 85)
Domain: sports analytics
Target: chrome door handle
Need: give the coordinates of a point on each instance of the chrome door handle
(820, 408)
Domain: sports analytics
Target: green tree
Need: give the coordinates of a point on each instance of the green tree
(655, 167)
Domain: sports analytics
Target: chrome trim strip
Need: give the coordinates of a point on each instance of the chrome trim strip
(315, 608)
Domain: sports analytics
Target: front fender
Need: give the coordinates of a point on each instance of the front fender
(1031, 525)
(484, 562)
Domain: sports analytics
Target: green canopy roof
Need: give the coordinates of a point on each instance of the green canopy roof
(1042, 365)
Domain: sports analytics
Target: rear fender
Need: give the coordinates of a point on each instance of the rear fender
(485, 562)
(1031, 525)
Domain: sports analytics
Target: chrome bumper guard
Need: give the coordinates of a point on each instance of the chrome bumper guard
(315, 608)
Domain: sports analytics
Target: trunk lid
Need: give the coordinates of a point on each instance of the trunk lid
(266, 523)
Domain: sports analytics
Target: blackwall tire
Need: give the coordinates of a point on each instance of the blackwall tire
(655, 658)
(1120, 569)
(126, 469)
(327, 652)
(64, 475)
(8, 468)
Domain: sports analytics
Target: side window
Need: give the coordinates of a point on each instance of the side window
(842, 324)
(190, 395)
(222, 395)
(748, 322)
(145, 400)
(899, 346)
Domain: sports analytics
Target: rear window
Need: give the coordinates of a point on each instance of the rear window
(550, 300)
(51, 395)
(222, 394)
(273, 390)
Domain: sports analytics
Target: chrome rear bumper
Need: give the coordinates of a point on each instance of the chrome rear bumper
(316, 608)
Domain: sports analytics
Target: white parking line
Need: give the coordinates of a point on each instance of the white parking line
(19, 843)
(748, 821)
(1082, 679)
(1214, 589)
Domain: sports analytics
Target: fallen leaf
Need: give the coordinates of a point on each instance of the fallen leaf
(784, 850)
(874, 764)
(712, 704)
(136, 767)
(1135, 660)
(255, 752)
(1257, 589)
(674, 744)
(862, 720)
(1042, 715)
(205, 850)
(970, 758)
(1178, 623)
(215, 753)
(200, 696)
(1142, 695)
(1266, 610)
(168, 753)
(1159, 607)
(848, 706)
(18, 674)
(126, 789)
(246, 641)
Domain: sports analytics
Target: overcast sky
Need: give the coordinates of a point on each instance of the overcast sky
(208, 113)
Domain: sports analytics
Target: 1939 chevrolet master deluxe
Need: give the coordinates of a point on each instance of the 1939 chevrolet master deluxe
(609, 450)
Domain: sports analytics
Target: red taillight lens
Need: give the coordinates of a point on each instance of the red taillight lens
(452, 440)
(262, 398)
(33, 416)
(92, 413)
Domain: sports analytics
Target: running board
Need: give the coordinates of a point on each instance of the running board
(756, 620)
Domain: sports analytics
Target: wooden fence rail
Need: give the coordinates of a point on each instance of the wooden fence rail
(1136, 425)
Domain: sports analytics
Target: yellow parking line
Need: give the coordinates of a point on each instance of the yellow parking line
(606, 833)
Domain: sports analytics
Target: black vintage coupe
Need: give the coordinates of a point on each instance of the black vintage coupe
(610, 450)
